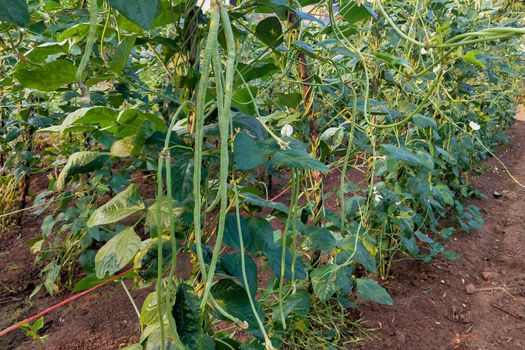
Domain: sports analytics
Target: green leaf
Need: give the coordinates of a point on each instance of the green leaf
(270, 31)
(141, 12)
(52, 272)
(359, 253)
(298, 303)
(443, 193)
(242, 100)
(261, 233)
(450, 255)
(234, 299)
(292, 99)
(253, 199)
(187, 315)
(117, 252)
(47, 77)
(400, 153)
(231, 232)
(121, 206)
(231, 263)
(130, 120)
(471, 58)
(295, 156)
(78, 163)
(182, 178)
(87, 282)
(323, 281)
(371, 290)
(247, 153)
(147, 260)
(422, 121)
(255, 71)
(182, 214)
(84, 119)
(273, 255)
(149, 312)
(322, 238)
(354, 12)
(14, 12)
(330, 279)
(120, 58)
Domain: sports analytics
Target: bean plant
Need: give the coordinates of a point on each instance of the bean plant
(197, 144)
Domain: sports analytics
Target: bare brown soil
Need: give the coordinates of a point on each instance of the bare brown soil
(476, 302)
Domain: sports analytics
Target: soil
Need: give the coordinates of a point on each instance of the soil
(475, 302)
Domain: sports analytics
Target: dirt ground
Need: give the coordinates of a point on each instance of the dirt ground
(475, 302)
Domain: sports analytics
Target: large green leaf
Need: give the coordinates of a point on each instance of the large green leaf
(146, 262)
(322, 238)
(295, 157)
(15, 12)
(273, 255)
(182, 214)
(400, 153)
(371, 290)
(87, 282)
(298, 303)
(233, 298)
(354, 247)
(264, 203)
(261, 233)
(231, 232)
(85, 119)
(121, 206)
(119, 59)
(187, 315)
(182, 178)
(270, 31)
(47, 77)
(255, 71)
(117, 252)
(247, 153)
(231, 263)
(353, 11)
(141, 12)
(78, 163)
(330, 279)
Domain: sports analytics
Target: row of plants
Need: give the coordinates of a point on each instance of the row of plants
(163, 128)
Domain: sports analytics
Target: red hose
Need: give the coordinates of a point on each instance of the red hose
(62, 303)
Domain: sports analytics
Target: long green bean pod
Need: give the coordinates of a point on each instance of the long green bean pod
(158, 214)
(93, 12)
(224, 125)
(199, 126)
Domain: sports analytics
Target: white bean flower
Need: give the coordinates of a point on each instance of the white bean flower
(287, 130)
(474, 126)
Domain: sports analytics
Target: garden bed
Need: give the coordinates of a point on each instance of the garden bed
(474, 302)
